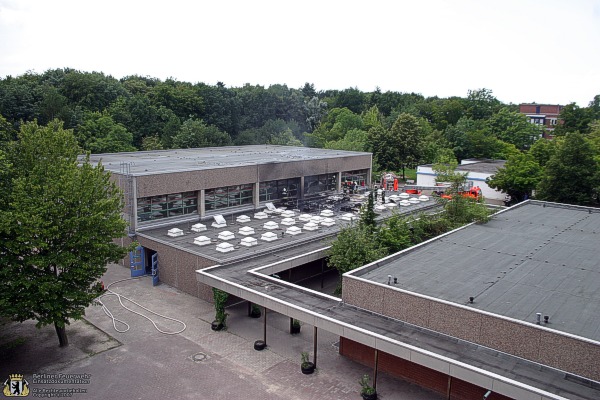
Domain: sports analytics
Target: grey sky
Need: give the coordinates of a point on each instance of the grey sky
(544, 51)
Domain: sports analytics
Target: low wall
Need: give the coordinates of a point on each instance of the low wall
(177, 268)
(556, 349)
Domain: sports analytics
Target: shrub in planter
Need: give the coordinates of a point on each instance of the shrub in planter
(220, 298)
(306, 367)
(295, 327)
(367, 391)
(255, 313)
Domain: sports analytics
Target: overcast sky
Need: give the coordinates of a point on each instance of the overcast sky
(547, 51)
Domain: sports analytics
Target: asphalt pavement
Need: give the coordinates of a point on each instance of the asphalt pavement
(198, 363)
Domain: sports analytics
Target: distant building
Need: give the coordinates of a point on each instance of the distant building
(542, 114)
(478, 171)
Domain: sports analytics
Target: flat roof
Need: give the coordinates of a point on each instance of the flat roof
(240, 252)
(534, 257)
(488, 166)
(176, 160)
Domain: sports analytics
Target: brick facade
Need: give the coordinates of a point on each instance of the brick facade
(552, 348)
(438, 382)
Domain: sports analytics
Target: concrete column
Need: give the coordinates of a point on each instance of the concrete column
(301, 187)
(265, 327)
(315, 347)
(338, 186)
(256, 195)
(201, 207)
(375, 370)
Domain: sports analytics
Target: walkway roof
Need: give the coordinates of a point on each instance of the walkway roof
(502, 373)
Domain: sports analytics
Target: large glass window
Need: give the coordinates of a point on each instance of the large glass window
(164, 206)
(359, 177)
(277, 190)
(319, 183)
(229, 196)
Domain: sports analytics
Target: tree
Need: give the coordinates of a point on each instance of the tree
(395, 234)
(519, 177)
(99, 133)
(400, 146)
(574, 119)
(56, 229)
(481, 104)
(354, 247)
(513, 127)
(571, 174)
(195, 133)
(367, 216)
(354, 140)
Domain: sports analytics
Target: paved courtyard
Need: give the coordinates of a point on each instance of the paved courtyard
(198, 363)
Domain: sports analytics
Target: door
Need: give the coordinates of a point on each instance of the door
(136, 261)
(154, 269)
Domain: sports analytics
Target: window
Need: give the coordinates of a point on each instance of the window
(359, 177)
(230, 196)
(319, 183)
(165, 206)
(275, 190)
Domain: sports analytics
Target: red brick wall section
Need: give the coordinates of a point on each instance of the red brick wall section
(414, 373)
(398, 367)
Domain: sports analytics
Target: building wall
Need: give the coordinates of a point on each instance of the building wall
(426, 177)
(531, 342)
(177, 182)
(426, 377)
(177, 268)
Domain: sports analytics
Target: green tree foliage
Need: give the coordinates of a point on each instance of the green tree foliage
(512, 127)
(571, 173)
(574, 119)
(99, 133)
(354, 247)
(195, 133)
(151, 143)
(400, 146)
(395, 233)
(335, 126)
(354, 140)
(519, 177)
(481, 104)
(56, 229)
(367, 216)
(543, 149)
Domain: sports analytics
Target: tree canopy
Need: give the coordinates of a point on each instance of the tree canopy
(58, 217)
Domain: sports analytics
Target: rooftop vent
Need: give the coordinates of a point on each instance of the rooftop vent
(198, 227)
(316, 219)
(288, 214)
(413, 200)
(219, 221)
(243, 219)
(268, 236)
(202, 240)
(260, 215)
(311, 226)
(328, 222)
(305, 217)
(380, 208)
(404, 203)
(349, 217)
(225, 247)
(246, 230)
(174, 232)
(271, 225)
(249, 241)
(423, 198)
(293, 230)
(327, 213)
(226, 235)
(288, 221)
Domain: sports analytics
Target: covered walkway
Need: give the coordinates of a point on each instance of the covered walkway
(501, 373)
